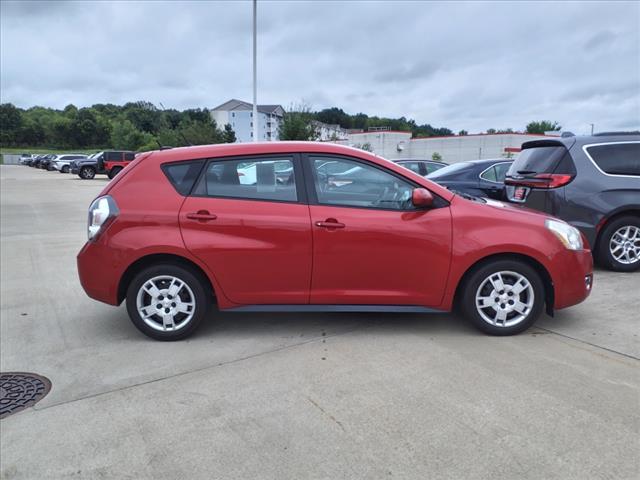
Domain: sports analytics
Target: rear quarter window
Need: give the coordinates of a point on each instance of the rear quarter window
(616, 159)
(183, 175)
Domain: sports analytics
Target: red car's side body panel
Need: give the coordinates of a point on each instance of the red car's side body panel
(380, 256)
(260, 251)
(481, 231)
(147, 225)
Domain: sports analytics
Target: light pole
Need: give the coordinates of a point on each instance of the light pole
(255, 73)
(591, 128)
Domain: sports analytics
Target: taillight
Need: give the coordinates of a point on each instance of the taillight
(542, 180)
(102, 211)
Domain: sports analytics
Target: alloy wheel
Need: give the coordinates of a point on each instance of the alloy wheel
(505, 299)
(624, 245)
(165, 303)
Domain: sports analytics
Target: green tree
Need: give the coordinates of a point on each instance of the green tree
(436, 157)
(144, 116)
(542, 126)
(126, 136)
(463, 132)
(491, 131)
(10, 124)
(296, 124)
(229, 135)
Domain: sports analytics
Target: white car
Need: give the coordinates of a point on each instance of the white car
(62, 162)
(248, 176)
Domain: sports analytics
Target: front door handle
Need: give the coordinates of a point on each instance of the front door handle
(330, 223)
(201, 215)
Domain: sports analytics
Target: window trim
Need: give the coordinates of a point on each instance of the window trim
(297, 171)
(585, 147)
(313, 195)
(489, 168)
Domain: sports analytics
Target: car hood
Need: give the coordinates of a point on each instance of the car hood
(508, 209)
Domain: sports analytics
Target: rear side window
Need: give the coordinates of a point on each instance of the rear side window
(183, 175)
(489, 174)
(616, 159)
(432, 167)
(253, 179)
(413, 166)
(501, 171)
(538, 160)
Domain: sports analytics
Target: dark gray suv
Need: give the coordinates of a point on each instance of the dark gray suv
(590, 182)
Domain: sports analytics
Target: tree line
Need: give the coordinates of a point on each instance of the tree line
(142, 126)
(134, 126)
(298, 124)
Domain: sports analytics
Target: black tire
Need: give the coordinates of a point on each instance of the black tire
(64, 169)
(603, 253)
(195, 283)
(114, 171)
(87, 173)
(477, 277)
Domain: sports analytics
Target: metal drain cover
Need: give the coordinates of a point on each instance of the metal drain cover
(20, 390)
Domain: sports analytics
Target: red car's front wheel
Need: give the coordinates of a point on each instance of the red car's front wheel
(503, 297)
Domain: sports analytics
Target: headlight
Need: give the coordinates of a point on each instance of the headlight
(101, 212)
(568, 235)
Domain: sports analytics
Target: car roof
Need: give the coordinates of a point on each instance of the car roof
(398, 160)
(570, 140)
(487, 161)
(265, 148)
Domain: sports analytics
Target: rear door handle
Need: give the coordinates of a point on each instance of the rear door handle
(201, 215)
(330, 223)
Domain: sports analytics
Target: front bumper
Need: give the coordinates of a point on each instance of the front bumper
(74, 170)
(572, 276)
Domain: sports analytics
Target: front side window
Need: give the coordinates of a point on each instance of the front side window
(617, 159)
(128, 156)
(113, 156)
(263, 179)
(359, 185)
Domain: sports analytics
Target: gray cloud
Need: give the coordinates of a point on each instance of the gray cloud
(462, 65)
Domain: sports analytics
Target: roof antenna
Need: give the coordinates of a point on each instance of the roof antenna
(181, 134)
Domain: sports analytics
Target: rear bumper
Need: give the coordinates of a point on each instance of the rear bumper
(99, 272)
(572, 276)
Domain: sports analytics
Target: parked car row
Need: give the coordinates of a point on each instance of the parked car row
(108, 162)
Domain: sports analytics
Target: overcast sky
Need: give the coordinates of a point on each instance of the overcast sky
(459, 65)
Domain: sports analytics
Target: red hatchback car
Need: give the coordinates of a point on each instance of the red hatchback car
(298, 226)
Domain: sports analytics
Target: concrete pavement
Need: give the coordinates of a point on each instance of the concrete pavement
(280, 396)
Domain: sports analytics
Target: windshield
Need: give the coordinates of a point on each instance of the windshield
(443, 172)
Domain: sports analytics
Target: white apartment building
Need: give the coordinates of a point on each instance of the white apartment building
(239, 115)
(329, 132)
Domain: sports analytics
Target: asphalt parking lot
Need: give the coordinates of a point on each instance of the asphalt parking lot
(322, 396)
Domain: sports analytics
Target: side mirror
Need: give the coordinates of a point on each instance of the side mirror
(421, 198)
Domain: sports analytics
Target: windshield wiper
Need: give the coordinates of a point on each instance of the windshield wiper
(469, 197)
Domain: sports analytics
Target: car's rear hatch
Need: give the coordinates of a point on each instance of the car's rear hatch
(541, 166)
